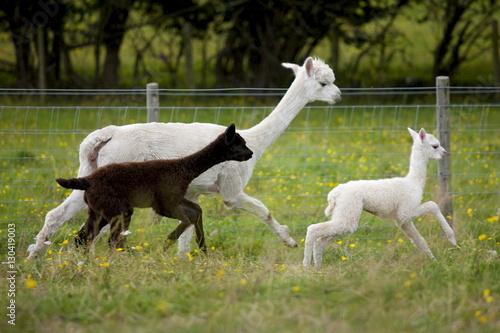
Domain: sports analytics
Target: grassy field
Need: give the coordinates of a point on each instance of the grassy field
(372, 281)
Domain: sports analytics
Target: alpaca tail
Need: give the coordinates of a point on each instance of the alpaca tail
(92, 144)
(74, 183)
(329, 209)
(332, 201)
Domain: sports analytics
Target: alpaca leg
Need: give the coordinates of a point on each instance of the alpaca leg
(112, 209)
(87, 233)
(89, 229)
(97, 234)
(313, 232)
(325, 232)
(344, 221)
(193, 213)
(319, 247)
(187, 214)
(117, 226)
(184, 246)
(257, 208)
(104, 230)
(174, 235)
(56, 218)
(185, 238)
(198, 225)
(317, 234)
(415, 237)
(431, 207)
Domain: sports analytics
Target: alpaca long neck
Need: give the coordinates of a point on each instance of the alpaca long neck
(268, 130)
(418, 167)
(204, 159)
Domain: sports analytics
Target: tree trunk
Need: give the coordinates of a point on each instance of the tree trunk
(42, 64)
(495, 53)
(446, 60)
(335, 48)
(187, 35)
(22, 32)
(115, 15)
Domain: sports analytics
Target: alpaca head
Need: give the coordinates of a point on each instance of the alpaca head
(427, 144)
(318, 79)
(236, 145)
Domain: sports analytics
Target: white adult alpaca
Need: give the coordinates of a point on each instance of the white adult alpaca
(140, 142)
(398, 199)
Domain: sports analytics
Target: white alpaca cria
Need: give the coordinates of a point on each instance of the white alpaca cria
(140, 142)
(398, 199)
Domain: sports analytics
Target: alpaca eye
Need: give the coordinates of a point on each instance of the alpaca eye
(323, 84)
(435, 146)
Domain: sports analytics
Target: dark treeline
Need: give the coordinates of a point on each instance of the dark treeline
(252, 37)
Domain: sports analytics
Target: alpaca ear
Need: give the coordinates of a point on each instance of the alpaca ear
(414, 134)
(295, 68)
(230, 134)
(422, 134)
(308, 64)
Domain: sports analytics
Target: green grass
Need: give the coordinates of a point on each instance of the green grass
(380, 287)
(372, 281)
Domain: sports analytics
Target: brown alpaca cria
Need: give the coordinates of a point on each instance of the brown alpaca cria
(112, 191)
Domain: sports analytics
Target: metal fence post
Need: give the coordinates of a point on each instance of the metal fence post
(443, 133)
(153, 102)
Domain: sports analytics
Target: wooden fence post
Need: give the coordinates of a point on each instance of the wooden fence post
(153, 102)
(443, 134)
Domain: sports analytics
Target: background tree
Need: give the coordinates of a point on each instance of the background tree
(461, 25)
(260, 34)
(36, 27)
(111, 30)
(248, 39)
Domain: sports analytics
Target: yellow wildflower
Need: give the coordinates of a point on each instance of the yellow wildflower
(30, 283)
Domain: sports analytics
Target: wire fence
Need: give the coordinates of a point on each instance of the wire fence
(322, 147)
(236, 92)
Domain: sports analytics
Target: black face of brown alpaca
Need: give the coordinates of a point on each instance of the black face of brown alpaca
(112, 191)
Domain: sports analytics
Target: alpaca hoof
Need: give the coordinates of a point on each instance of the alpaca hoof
(181, 253)
(33, 250)
(33, 253)
(168, 244)
(285, 237)
(492, 253)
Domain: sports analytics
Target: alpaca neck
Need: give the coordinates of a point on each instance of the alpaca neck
(205, 158)
(418, 168)
(268, 130)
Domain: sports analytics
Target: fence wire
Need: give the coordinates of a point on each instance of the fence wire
(322, 147)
